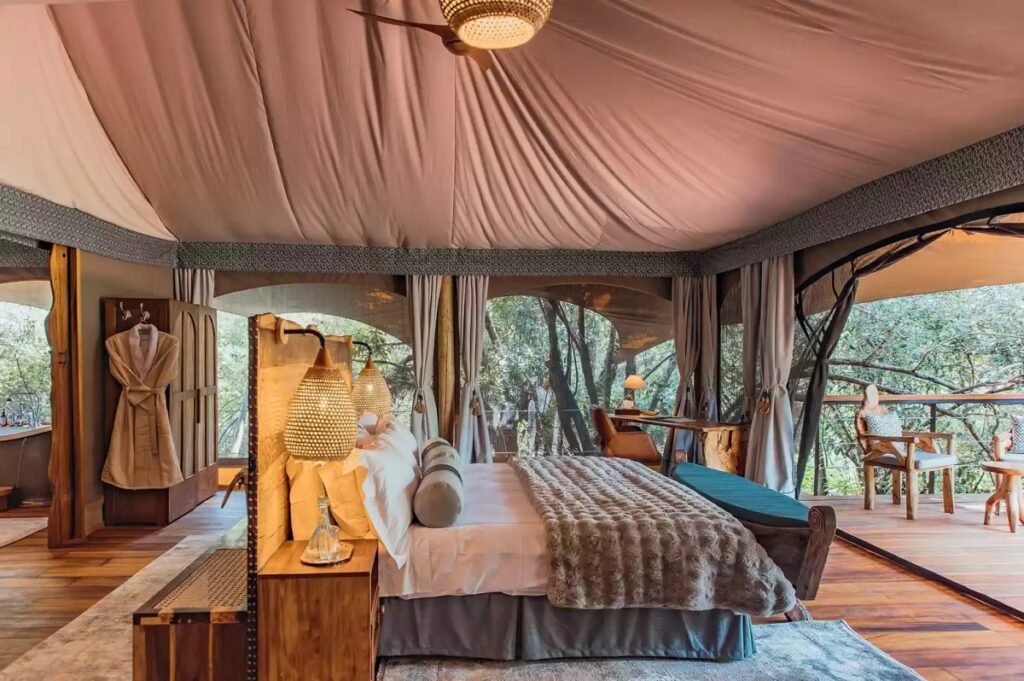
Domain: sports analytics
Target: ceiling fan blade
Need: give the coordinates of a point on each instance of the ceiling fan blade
(442, 30)
(482, 58)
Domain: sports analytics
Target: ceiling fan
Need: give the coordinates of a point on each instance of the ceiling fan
(475, 27)
(449, 39)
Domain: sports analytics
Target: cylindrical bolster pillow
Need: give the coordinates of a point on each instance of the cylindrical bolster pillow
(438, 500)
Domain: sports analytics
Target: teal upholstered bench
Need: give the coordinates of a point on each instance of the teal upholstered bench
(797, 537)
(744, 499)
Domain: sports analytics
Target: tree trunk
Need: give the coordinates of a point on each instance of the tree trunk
(586, 364)
(608, 369)
(573, 426)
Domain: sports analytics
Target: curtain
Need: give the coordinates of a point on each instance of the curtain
(770, 448)
(194, 286)
(471, 435)
(707, 404)
(685, 306)
(750, 299)
(424, 292)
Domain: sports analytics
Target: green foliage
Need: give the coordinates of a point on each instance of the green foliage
(25, 369)
(968, 341)
(516, 372)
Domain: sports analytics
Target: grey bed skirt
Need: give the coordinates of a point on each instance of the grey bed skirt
(502, 627)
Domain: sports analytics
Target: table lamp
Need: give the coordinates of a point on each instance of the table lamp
(632, 383)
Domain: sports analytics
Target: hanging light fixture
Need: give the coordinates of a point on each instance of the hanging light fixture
(321, 421)
(496, 24)
(371, 392)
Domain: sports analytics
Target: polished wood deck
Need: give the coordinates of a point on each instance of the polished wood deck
(984, 561)
(41, 590)
(926, 626)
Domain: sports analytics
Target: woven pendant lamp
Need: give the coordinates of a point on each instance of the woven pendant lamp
(321, 421)
(371, 392)
(496, 24)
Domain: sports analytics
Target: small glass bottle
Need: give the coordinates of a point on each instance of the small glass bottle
(323, 547)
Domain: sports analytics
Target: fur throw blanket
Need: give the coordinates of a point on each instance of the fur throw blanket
(622, 536)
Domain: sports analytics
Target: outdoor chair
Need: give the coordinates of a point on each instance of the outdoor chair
(632, 444)
(884, 444)
(1005, 448)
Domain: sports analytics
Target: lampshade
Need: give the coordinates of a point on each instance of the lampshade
(371, 392)
(321, 419)
(496, 24)
(634, 382)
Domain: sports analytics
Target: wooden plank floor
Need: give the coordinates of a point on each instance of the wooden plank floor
(923, 625)
(986, 559)
(42, 590)
(942, 635)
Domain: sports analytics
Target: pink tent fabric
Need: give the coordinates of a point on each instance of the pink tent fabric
(641, 125)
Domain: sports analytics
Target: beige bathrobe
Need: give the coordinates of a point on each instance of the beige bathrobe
(141, 455)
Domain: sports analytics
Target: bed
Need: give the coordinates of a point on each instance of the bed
(486, 587)
(477, 589)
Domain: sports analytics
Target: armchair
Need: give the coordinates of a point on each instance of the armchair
(633, 444)
(905, 455)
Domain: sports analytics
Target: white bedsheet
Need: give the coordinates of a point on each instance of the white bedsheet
(497, 546)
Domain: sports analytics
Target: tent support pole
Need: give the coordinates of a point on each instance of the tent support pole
(447, 371)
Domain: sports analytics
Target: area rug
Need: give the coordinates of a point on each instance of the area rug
(14, 529)
(97, 645)
(803, 651)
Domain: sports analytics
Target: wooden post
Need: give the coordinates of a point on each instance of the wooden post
(446, 376)
(67, 517)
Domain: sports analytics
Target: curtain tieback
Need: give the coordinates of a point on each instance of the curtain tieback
(764, 402)
(475, 405)
(420, 407)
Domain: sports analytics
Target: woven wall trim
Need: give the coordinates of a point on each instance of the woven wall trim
(397, 261)
(989, 166)
(15, 254)
(37, 218)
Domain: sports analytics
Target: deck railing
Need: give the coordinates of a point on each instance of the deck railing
(972, 418)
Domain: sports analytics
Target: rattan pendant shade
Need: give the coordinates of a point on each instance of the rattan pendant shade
(321, 419)
(371, 392)
(496, 24)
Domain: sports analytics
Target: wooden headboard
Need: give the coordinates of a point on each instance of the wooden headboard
(276, 366)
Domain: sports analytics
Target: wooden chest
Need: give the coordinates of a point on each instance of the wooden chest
(195, 627)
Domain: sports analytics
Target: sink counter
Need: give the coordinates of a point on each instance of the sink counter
(24, 458)
(18, 432)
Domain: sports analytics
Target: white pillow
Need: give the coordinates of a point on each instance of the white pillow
(366, 428)
(392, 476)
(394, 436)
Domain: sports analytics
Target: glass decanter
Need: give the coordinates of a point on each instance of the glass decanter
(323, 547)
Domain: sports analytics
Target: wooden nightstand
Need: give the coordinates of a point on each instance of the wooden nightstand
(318, 622)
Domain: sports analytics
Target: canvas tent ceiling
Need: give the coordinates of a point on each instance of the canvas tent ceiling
(957, 260)
(654, 125)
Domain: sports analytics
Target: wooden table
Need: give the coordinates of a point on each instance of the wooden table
(723, 444)
(1009, 490)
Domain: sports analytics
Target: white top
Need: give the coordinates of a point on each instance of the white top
(497, 546)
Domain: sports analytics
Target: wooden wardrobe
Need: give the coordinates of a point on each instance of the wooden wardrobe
(191, 401)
